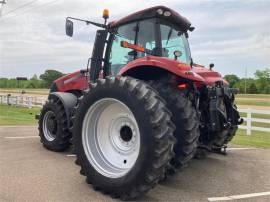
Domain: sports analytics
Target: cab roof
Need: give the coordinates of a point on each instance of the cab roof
(152, 12)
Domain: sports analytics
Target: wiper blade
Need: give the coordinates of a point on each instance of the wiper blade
(169, 36)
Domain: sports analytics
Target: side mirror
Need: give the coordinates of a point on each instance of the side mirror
(177, 54)
(69, 27)
(211, 66)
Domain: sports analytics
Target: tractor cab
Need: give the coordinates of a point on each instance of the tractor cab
(157, 31)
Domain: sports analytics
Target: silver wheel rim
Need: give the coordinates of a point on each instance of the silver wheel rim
(110, 137)
(48, 131)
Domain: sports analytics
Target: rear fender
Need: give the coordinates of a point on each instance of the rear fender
(175, 67)
(68, 101)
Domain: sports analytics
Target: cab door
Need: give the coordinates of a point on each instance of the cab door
(140, 33)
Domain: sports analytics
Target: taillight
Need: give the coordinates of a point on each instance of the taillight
(183, 86)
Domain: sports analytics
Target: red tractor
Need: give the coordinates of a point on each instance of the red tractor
(142, 109)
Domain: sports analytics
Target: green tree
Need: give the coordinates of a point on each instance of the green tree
(252, 89)
(232, 79)
(49, 76)
(34, 82)
(34, 77)
(244, 82)
(3, 82)
(31, 85)
(263, 80)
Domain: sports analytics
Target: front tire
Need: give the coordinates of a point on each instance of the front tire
(123, 137)
(53, 129)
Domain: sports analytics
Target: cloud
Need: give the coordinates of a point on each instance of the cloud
(230, 33)
(254, 45)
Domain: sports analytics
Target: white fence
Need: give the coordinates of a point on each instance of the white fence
(20, 100)
(248, 127)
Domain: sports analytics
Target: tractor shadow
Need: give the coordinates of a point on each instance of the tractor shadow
(200, 176)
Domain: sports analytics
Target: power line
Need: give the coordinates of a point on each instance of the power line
(36, 7)
(20, 7)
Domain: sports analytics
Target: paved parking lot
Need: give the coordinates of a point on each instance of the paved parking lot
(28, 172)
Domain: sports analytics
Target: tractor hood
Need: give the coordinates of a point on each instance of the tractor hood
(72, 81)
(210, 76)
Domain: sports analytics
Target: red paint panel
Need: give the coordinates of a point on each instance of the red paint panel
(210, 76)
(73, 81)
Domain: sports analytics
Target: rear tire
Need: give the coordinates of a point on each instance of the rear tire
(224, 137)
(53, 129)
(221, 140)
(142, 110)
(186, 120)
(217, 141)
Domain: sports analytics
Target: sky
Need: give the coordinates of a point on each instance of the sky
(232, 34)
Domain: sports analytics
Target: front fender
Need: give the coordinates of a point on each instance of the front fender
(180, 69)
(68, 101)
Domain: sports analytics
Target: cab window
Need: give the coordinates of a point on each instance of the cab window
(120, 56)
(174, 40)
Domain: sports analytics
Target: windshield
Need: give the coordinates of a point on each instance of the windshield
(174, 40)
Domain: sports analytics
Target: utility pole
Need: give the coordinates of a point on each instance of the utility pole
(2, 3)
(245, 80)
